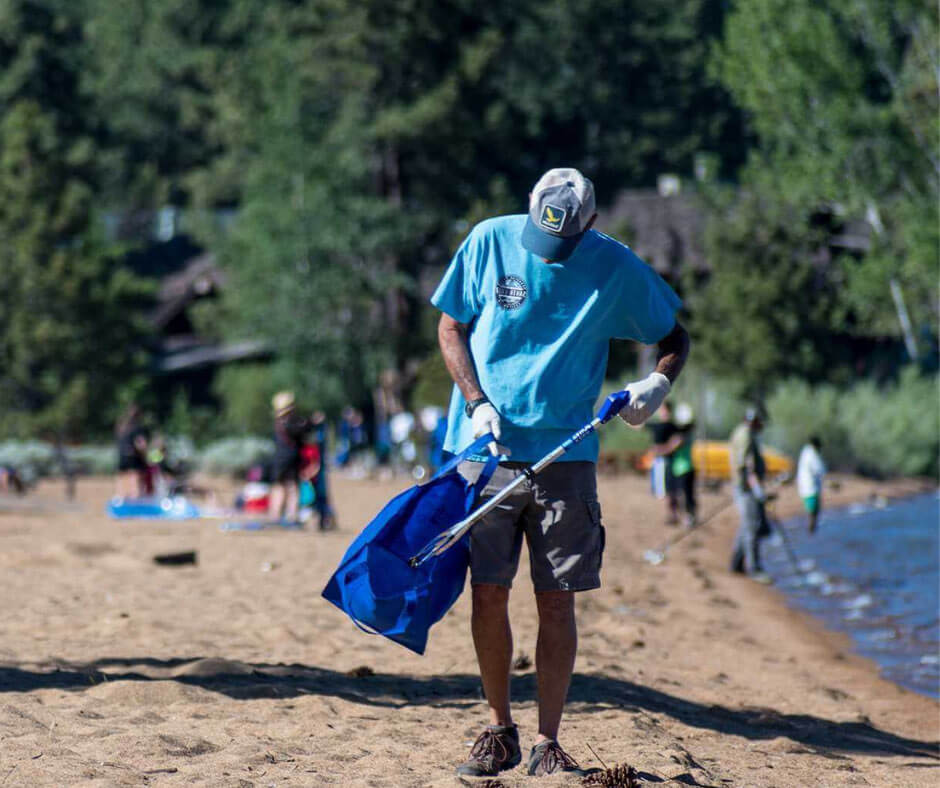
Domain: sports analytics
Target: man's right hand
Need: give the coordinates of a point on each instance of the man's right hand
(485, 419)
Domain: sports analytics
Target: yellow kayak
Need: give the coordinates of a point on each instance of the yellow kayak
(711, 460)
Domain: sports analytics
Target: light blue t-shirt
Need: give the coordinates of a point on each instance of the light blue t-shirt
(540, 332)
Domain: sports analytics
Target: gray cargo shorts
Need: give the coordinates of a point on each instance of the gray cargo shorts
(559, 515)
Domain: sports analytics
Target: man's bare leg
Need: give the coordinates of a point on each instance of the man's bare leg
(554, 657)
(492, 638)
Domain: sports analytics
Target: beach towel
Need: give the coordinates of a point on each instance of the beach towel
(377, 587)
(175, 508)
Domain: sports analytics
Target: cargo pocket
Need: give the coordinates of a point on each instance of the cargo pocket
(594, 511)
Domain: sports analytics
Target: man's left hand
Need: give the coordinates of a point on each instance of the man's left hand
(645, 398)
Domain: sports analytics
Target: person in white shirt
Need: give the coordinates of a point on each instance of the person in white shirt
(810, 470)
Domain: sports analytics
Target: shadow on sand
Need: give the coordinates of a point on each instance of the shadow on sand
(242, 680)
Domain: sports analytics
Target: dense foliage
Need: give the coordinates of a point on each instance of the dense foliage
(843, 98)
(878, 430)
(69, 315)
(332, 154)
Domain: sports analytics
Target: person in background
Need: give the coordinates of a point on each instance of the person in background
(683, 471)
(666, 440)
(434, 423)
(289, 429)
(161, 474)
(10, 480)
(321, 500)
(132, 439)
(747, 480)
(309, 470)
(66, 466)
(810, 470)
(353, 437)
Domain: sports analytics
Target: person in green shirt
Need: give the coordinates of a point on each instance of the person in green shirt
(683, 471)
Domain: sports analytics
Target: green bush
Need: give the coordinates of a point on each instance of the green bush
(797, 410)
(879, 430)
(234, 455)
(94, 460)
(181, 449)
(894, 430)
(32, 459)
(245, 391)
(36, 459)
(717, 402)
(619, 436)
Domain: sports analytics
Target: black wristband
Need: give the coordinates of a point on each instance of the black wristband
(473, 405)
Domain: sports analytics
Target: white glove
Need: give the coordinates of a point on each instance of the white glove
(645, 398)
(485, 419)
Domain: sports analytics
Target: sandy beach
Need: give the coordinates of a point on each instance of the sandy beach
(234, 672)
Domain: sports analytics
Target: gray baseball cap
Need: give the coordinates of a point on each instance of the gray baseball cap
(560, 206)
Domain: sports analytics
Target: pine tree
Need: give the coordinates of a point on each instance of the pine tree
(69, 340)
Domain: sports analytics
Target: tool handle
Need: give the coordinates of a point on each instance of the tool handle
(614, 403)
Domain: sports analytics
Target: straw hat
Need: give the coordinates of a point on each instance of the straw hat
(282, 402)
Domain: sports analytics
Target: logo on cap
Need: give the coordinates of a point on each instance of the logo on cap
(511, 292)
(552, 218)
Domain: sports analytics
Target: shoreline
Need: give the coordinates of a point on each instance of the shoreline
(899, 491)
(115, 671)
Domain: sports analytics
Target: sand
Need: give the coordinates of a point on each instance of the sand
(234, 672)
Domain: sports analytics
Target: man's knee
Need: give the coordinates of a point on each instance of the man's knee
(555, 605)
(490, 597)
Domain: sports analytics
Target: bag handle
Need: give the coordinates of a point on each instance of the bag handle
(489, 467)
(473, 448)
(476, 489)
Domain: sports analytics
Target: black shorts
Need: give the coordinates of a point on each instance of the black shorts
(285, 467)
(558, 515)
(131, 462)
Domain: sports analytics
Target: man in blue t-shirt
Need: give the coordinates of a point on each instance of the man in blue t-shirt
(530, 303)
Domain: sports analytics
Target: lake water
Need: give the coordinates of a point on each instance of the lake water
(872, 571)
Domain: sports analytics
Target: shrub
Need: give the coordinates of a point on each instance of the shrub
(797, 410)
(717, 402)
(234, 455)
(181, 450)
(880, 430)
(95, 460)
(32, 459)
(896, 429)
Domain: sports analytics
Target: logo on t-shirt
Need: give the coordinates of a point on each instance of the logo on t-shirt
(552, 218)
(510, 292)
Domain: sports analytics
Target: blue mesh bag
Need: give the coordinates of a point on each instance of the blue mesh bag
(376, 585)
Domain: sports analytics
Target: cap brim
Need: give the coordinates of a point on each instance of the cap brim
(546, 245)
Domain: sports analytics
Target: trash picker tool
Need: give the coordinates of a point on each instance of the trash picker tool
(777, 526)
(611, 407)
(656, 557)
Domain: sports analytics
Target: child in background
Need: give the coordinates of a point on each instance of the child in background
(810, 470)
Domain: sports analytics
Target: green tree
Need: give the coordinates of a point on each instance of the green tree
(69, 342)
(769, 309)
(843, 98)
(154, 72)
(369, 136)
